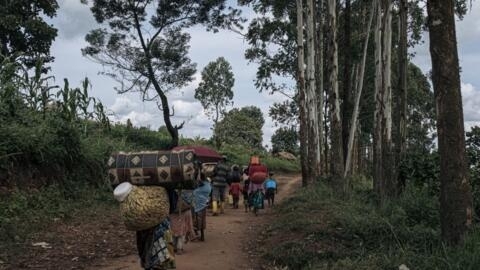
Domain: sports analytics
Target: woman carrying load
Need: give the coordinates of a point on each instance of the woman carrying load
(182, 222)
(256, 193)
(201, 197)
(155, 245)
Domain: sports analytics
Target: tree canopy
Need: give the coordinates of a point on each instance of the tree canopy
(285, 139)
(215, 90)
(241, 126)
(23, 31)
(145, 47)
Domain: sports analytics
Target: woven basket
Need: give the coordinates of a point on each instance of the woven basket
(144, 207)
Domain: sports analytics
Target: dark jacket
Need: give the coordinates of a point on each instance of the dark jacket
(220, 174)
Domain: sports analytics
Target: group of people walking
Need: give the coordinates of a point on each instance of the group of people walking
(239, 183)
(188, 211)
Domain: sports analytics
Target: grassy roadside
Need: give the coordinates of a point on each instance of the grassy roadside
(315, 229)
(25, 212)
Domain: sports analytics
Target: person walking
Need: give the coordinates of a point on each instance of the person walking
(256, 192)
(246, 185)
(201, 197)
(271, 189)
(182, 222)
(219, 182)
(235, 188)
(155, 245)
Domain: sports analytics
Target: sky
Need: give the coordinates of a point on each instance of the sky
(74, 20)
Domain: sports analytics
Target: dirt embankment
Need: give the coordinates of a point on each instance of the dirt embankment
(100, 241)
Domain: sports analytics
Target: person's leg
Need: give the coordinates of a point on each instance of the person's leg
(215, 198)
(180, 242)
(245, 202)
(222, 199)
(175, 244)
(203, 224)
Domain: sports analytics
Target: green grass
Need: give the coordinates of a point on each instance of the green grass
(318, 230)
(24, 212)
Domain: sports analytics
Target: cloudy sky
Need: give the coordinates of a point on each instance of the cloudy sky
(74, 20)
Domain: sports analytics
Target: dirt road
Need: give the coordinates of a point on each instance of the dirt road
(226, 239)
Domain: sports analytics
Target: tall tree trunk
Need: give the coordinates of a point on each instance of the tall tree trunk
(172, 130)
(401, 142)
(301, 90)
(455, 194)
(319, 80)
(311, 100)
(335, 117)
(383, 149)
(387, 148)
(326, 150)
(361, 74)
(347, 86)
(377, 121)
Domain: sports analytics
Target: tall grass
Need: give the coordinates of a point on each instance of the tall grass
(323, 231)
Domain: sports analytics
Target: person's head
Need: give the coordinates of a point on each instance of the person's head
(235, 168)
(270, 174)
(224, 159)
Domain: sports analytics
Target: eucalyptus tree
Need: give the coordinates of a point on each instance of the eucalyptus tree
(143, 44)
(337, 163)
(358, 94)
(382, 139)
(311, 100)
(302, 101)
(455, 195)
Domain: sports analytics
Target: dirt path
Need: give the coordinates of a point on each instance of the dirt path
(225, 239)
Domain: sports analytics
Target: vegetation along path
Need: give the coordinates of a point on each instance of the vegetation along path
(226, 239)
(95, 238)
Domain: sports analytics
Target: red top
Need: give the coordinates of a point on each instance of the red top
(235, 189)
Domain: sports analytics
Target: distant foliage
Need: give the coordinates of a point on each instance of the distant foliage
(285, 139)
(241, 127)
(473, 152)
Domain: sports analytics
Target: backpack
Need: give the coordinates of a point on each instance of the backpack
(258, 173)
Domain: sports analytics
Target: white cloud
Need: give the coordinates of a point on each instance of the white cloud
(123, 105)
(140, 119)
(471, 105)
(188, 93)
(185, 109)
(268, 130)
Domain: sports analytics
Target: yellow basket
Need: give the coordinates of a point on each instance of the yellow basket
(145, 207)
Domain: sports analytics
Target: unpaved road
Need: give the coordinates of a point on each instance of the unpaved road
(226, 239)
